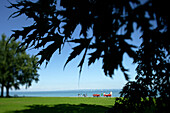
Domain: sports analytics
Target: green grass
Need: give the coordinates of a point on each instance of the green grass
(55, 105)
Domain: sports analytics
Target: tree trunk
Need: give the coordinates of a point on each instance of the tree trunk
(7, 91)
(2, 90)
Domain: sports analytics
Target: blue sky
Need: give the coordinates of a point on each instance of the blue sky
(53, 77)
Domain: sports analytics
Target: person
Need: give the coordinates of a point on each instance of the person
(84, 95)
(111, 93)
(104, 94)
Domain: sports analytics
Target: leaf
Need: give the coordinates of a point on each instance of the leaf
(47, 52)
(127, 48)
(84, 43)
(95, 55)
(124, 72)
(126, 76)
(76, 51)
(82, 61)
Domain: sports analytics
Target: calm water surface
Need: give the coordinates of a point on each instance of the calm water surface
(66, 93)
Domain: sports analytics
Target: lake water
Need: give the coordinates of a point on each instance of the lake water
(66, 93)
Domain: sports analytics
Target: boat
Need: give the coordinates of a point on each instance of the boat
(96, 95)
(107, 95)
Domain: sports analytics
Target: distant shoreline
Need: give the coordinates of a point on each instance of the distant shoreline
(60, 90)
(65, 93)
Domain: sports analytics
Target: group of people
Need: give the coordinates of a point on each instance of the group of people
(82, 95)
(96, 95)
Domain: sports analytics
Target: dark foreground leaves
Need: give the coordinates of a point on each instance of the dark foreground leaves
(151, 105)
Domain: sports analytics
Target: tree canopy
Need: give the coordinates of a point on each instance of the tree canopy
(111, 22)
(16, 67)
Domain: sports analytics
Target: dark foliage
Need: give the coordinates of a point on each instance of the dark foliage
(112, 24)
(105, 18)
(135, 98)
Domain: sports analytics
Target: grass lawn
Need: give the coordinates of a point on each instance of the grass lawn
(55, 105)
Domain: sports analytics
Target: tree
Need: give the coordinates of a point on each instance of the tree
(106, 19)
(16, 67)
(107, 42)
(112, 25)
(153, 69)
(152, 84)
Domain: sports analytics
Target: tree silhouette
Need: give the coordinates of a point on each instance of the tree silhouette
(112, 24)
(16, 68)
(106, 19)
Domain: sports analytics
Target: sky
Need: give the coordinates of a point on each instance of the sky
(53, 77)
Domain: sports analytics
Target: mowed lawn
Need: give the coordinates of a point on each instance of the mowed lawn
(56, 105)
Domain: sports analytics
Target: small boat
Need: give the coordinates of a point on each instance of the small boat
(96, 95)
(107, 95)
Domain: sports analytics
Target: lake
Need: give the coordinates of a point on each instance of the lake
(66, 93)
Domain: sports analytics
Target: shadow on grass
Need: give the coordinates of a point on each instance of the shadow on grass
(63, 108)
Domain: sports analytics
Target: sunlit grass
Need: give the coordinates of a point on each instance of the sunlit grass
(55, 104)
